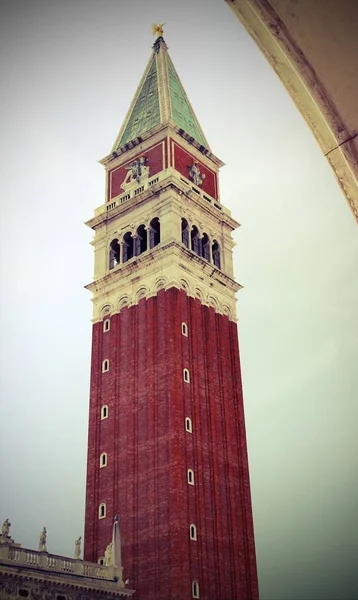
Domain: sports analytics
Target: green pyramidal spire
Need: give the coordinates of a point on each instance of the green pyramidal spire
(160, 98)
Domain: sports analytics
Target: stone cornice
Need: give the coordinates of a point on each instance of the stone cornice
(169, 179)
(136, 263)
(167, 265)
(25, 565)
(43, 584)
(128, 152)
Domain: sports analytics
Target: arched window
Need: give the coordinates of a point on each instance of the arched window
(128, 249)
(141, 241)
(184, 329)
(188, 425)
(192, 530)
(205, 247)
(195, 240)
(102, 511)
(195, 589)
(154, 233)
(216, 254)
(104, 412)
(190, 476)
(106, 325)
(186, 375)
(101, 560)
(185, 232)
(103, 459)
(114, 253)
(105, 365)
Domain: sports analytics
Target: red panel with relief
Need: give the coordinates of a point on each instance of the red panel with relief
(182, 161)
(155, 161)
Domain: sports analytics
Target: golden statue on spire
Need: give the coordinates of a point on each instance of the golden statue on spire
(158, 30)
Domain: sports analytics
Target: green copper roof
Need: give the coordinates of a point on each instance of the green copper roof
(182, 113)
(146, 112)
(160, 97)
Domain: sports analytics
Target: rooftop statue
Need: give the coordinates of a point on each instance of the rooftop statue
(5, 531)
(43, 540)
(78, 547)
(108, 554)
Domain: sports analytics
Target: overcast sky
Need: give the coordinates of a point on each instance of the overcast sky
(69, 69)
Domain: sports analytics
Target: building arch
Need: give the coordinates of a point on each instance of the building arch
(128, 246)
(184, 285)
(160, 283)
(227, 311)
(216, 253)
(188, 425)
(106, 310)
(195, 240)
(142, 292)
(199, 294)
(102, 511)
(191, 480)
(124, 301)
(296, 58)
(192, 531)
(114, 253)
(154, 232)
(185, 232)
(213, 302)
(104, 412)
(205, 247)
(195, 589)
(103, 459)
(141, 240)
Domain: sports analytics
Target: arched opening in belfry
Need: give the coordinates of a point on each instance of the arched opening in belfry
(216, 254)
(128, 246)
(205, 247)
(195, 240)
(185, 232)
(114, 253)
(141, 240)
(154, 233)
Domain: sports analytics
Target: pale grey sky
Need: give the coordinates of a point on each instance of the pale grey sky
(69, 69)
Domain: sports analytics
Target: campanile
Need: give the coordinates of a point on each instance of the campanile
(166, 445)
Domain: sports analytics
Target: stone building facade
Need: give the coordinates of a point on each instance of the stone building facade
(39, 575)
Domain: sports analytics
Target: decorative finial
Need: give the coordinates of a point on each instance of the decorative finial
(158, 30)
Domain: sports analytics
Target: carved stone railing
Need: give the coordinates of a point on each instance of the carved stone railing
(12, 554)
(147, 183)
(131, 193)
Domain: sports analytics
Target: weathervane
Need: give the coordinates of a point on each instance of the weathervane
(158, 30)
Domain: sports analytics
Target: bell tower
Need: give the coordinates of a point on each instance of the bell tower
(166, 445)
